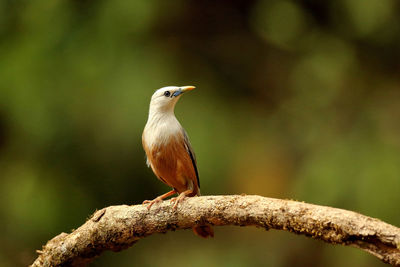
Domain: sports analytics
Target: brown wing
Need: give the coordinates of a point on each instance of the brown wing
(190, 151)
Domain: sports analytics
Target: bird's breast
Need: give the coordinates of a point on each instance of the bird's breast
(161, 130)
(166, 153)
(164, 143)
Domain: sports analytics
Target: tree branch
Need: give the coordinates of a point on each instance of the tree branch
(118, 227)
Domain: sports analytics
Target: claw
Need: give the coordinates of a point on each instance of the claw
(177, 200)
(152, 202)
(158, 199)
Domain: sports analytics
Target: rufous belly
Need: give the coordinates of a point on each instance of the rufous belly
(172, 165)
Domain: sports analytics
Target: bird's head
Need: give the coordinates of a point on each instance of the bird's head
(164, 99)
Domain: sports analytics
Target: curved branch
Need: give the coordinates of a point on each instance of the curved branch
(118, 227)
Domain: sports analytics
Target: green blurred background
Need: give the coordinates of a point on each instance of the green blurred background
(294, 99)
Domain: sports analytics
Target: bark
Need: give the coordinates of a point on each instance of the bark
(118, 227)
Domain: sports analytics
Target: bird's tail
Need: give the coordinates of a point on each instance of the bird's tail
(204, 231)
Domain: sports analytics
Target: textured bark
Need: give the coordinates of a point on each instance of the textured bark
(118, 227)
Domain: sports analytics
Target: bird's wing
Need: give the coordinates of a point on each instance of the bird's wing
(190, 151)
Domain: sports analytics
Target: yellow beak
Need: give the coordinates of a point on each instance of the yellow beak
(187, 88)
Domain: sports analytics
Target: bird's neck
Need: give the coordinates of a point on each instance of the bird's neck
(157, 114)
(160, 127)
(162, 121)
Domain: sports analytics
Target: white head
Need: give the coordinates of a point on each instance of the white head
(164, 99)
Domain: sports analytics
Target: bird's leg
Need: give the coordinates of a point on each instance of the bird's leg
(158, 199)
(180, 198)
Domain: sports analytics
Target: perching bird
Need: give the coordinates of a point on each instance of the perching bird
(168, 151)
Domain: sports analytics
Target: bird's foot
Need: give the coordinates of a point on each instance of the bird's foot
(158, 199)
(152, 202)
(178, 199)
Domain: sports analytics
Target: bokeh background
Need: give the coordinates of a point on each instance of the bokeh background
(294, 99)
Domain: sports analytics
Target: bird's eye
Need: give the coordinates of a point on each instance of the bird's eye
(167, 93)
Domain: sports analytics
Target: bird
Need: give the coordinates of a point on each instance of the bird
(169, 153)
